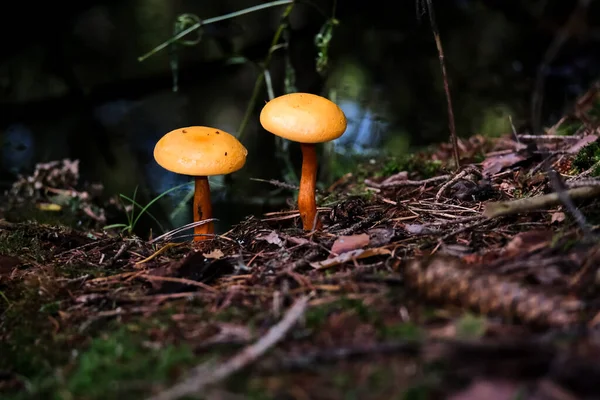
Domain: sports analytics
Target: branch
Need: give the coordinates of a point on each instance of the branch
(497, 209)
(204, 375)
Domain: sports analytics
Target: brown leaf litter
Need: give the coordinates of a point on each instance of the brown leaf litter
(414, 250)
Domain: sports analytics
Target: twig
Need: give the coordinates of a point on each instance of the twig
(438, 43)
(583, 182)
(451, 182)
(169, 235)
(496, 209)
(124, 247)
(407, 182)
(201, 376)
(550, 138)
(178, 280)
(277, 183)
(463, 229)
(585, 173)
(319, 357)
(561, 191)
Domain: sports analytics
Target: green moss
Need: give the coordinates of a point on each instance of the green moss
(115, 364)
(30, 349)
(18, 241)
(470, 326)
(412, 163)
(112, 362)
(588, 157)
(317, 316)
(403, 331)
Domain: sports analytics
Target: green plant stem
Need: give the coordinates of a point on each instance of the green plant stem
(261, 77)
(208, 21)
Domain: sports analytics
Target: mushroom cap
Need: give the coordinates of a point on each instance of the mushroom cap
(304, 118)
(200, 151)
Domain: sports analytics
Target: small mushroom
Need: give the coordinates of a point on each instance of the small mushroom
(200, 151)
(308, 119)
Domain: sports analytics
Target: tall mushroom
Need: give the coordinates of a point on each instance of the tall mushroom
(200, 151)
(308, 119)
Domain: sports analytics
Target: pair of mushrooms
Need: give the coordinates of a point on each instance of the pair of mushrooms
(201, 151)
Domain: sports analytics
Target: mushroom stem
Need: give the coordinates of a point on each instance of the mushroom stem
(202, 208)
(307, 204)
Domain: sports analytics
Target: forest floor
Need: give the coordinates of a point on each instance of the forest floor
(423, 283)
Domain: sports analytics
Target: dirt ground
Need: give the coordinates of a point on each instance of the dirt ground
(425, 282)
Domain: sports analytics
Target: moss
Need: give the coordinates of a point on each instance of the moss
(402, 331)
(413, 163)
(317, 316)
(113, 361)
(470, 326)
(19, 241)
(105, 368)
(588, 157)
(30, 349)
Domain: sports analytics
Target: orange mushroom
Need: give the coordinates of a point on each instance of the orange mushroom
(200, 151)
(308, 119)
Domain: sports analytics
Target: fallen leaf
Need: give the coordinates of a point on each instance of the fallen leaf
(272, 238)
(526, 242)
(48, 207)
(557, 217)
(380, 236)
(349, 256)
(494, 164)
(418, 229)
(344, 244)
(214, 254)
(296, 240)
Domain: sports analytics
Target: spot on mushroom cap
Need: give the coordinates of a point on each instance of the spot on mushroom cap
(304, 118)
(200, 151)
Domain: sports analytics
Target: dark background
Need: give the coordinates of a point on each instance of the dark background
(71, 85)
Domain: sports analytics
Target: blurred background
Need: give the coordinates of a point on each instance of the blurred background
(72, 85)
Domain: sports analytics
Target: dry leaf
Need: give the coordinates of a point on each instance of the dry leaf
(349, 256)
(558, 216)
(214, 254)
(526, 242)
(344, 244)
(380, 236)
(419, 229)
(296, 240)
(272, 238)
(493, 165)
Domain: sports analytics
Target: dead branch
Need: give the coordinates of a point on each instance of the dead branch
(203, 375)
(407, 182)
(497, 209)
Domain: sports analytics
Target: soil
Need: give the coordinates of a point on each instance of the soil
(426, 281)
